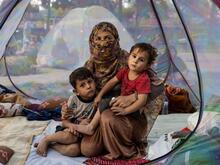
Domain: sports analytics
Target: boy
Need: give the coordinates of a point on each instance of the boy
(80, 104)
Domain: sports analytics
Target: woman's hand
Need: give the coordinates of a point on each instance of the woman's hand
(119, 111)
(123, 101)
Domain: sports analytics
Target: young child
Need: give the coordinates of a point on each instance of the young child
(80, 104)
(133, 79)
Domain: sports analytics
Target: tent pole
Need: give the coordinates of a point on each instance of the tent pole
(193, 52)
(183, 142)
(9, 77)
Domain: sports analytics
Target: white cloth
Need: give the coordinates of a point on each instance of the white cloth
(17, 133)
(162, 146)
(209, 121)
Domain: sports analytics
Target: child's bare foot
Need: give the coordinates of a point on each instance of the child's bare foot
(42, 147)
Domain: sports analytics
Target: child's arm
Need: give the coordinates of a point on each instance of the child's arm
(90, 128)
(141, 101)
(108, 86)
(68, 124)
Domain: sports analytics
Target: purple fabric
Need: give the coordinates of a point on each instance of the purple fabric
(217, 2)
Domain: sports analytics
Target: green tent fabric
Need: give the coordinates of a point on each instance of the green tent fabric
(198, 150)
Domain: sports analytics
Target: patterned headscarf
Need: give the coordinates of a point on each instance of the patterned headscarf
(106, 56)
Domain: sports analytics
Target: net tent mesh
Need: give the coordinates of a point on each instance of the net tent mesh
(5, 9)
(69, 39)
(51, 40)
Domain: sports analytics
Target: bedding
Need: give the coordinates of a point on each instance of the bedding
(10, 109)
(17, 133)
(23, 143)
(54, 157)
(14, 98)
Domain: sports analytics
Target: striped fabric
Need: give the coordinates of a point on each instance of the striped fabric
(101, 161)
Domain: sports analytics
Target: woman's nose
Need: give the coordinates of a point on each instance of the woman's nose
(103, 43)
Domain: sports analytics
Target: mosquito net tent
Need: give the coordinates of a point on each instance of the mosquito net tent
(43, 41)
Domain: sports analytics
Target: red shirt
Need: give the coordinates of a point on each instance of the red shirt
(141, 84)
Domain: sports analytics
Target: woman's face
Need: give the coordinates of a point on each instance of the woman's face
(104, 41)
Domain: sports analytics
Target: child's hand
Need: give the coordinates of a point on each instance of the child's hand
(118, 111)
(73, 129)
(97, 101)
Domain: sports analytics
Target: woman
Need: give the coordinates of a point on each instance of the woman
(105, 60)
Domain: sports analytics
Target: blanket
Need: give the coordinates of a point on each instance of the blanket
(17, 133)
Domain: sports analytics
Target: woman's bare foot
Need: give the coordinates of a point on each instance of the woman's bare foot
(42, 147)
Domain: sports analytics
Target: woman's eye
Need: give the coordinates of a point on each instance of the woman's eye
(109, 37)
(98, 38)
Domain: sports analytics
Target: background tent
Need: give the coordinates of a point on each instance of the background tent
(69, 39)
(186, 33)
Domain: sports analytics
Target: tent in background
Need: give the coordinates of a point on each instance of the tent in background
(42, 41)
(60, 47)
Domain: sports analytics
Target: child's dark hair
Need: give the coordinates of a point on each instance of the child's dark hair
(81, 73)
(152, 51)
